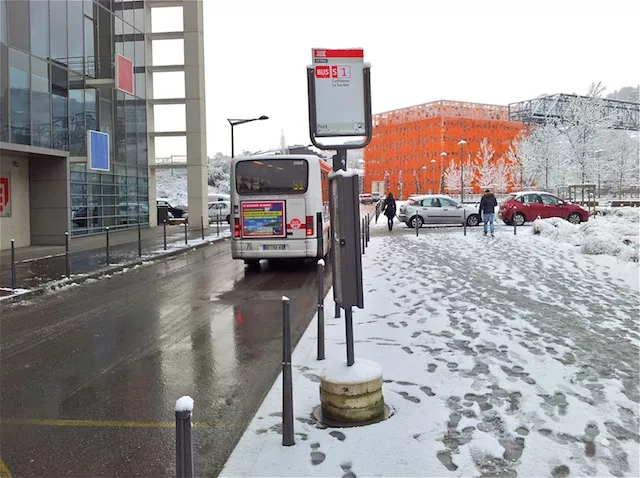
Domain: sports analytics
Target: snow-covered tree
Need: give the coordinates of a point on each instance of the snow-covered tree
(453, 178)
(502, 176)
(486, 164)
(219, 172)
(622, 160)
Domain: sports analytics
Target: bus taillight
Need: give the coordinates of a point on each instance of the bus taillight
(236, 227)
(309, 226)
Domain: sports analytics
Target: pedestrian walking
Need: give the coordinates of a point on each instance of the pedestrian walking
(389, 209)
(488, 205)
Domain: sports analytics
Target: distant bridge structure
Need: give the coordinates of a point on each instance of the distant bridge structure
(624, 115)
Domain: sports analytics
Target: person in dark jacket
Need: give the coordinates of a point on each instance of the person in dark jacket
(488, 205)
(389, 209)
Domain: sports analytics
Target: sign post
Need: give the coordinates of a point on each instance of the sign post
(339, 100)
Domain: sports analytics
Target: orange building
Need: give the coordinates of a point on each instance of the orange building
(407, 145)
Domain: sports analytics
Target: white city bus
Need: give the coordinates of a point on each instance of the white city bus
(280, 207)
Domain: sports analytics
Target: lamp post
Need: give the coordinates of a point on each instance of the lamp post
(461, 143)
(443, 155)
(433, 172)
(424, 174)
(235, 122)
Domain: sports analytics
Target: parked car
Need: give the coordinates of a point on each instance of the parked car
(176, 212)
(527, 206)
(366, 198)
(376, 196)
(437, 209)
(217, 209)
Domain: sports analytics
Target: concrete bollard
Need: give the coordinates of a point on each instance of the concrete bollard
(321, 309)
(67, 266)
(14, 279)
(106, 230)
(184, 444)
(287, 380)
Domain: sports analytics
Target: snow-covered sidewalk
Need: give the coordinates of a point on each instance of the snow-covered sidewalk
(513, 356)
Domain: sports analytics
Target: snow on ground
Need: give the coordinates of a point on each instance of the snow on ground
(616, 234)
(172, 184)
(501, 357)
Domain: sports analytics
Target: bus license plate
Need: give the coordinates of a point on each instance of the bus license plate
(280, 247)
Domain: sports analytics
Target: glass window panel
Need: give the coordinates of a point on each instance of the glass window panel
(120, 130)
(89, 47)
(18, 12)
(89, 8)
(142, 133)
(60, 93)
(139, 22)
(3, 21)
(76, 35)
(57, 31)
(39, 13)
(131, 129)
(93, 178)
(169, 118)
(127, 16)
(140, 85)
(91, 113)
(40, 104)
(167, 19)
(104, 60)
(4, 92)
(168, 85)
(77, 125)
(168, 52)
(19, 99)
(139, 50)
(107, 4)
(129, 44)
(105, 118)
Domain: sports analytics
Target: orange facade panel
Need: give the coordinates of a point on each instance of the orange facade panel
(406, 149)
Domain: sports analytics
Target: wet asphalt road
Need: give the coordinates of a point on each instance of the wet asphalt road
(119, 352)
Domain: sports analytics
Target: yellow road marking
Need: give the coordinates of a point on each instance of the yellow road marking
(4, 470)
(111, 423)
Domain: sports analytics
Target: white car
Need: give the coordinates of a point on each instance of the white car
(218, 210)
(437, 209)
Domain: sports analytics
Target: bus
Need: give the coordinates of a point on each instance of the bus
(280, 207)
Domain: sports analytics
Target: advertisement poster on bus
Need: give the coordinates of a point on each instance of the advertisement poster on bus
(263, 219)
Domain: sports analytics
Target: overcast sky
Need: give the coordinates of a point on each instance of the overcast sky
(484, 51)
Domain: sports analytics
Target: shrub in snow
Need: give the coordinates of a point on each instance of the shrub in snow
(557, 229)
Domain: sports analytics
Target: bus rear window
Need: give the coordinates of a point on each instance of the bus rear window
(272, 176)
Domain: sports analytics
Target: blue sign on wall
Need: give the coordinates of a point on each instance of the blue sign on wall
(98, 150)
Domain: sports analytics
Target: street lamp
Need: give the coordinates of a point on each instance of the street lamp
(424, 173)
(433, 171)
(461, 143)
(443, 155)
(235, 122)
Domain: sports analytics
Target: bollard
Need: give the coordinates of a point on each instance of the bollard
(464, 221)
(218, 225)
(14, 279)
(368, 229)
(417, 228)
(164, 233)
(321, 309)
(202, 226)
(287, 385)
(364, 237)
(107, 237)
(514, 224)
(184, 444)
(186, 241)
(348, 314)
(67, 266)
(139, 239)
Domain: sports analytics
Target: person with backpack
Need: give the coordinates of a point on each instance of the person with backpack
(487, 211)
(389, 209)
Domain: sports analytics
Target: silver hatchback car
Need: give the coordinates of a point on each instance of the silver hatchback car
(437, 209)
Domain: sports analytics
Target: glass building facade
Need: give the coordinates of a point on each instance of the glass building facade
(53, 54)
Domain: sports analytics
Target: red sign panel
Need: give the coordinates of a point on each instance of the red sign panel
(323, 71)
(295, 223)
(5, 195)
(124, 74)
(351, 53)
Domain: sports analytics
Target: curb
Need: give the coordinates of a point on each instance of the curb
(46, 287)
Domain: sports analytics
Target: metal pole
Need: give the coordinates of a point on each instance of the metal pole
(164, 233)
(514, 225)
(417, 229)
(339, 162)
(218, 224)
(321, 309)
(186, 241)
(368, 229)
(67, 266)
(364, 237)
(139, 239)
(287, 385)
(14, 279)
(107, 238)
(232, 150)
(464, 218)
(348, 312)
(202, 226)
(184, 446)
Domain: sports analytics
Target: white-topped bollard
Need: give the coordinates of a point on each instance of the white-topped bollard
(352, 393)
(184, 447)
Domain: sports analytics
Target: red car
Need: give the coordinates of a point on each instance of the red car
(527, 206)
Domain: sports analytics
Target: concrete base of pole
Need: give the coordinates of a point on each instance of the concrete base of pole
(352, 394)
